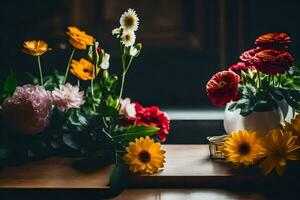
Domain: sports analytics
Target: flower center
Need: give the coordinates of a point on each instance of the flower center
(221, 84)
(144, 156)
(244, 148)
(127, 37)
(128, 21)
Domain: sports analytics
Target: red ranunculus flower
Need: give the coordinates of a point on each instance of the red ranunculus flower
(273, 40)
(248, 56)
(273, 62)
(222, 88)
(150, 116)
(240, 66)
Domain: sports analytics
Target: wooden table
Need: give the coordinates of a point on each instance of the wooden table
(187, 166)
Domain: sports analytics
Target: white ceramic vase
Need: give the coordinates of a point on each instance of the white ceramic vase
(261, 122)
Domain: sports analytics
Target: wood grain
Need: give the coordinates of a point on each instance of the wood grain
(186, 165)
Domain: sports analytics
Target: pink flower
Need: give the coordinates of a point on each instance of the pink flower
(249, 55)
(28, 111)
(241, 66)
(127, 109)
(67, 96)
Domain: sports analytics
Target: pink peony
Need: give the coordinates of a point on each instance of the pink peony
(67, 96)
(28, 111)
(127, 109)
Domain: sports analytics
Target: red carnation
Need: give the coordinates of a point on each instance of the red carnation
(240, 66)
(151, 116)
(222, 88)
(273, 62)
(273, 40)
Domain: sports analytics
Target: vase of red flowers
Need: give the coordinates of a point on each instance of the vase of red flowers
(259, 90)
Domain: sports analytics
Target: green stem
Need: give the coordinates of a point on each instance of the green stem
(68, 67)
(122, 84)
(126, 70)
(40, 69)
(78, 82)
(259, 79)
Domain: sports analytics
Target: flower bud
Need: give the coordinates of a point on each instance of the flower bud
(105, 74)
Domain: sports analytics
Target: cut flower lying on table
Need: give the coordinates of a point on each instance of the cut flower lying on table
(82, 112)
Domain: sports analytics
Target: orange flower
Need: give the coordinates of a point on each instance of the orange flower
(35, 47)
(79, 39)
(273, 40)
(83, 69)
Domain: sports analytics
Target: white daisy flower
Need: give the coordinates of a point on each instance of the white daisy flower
(105, 61)
(129, 20)
(133, 51)
(128, 38)
(117, 32)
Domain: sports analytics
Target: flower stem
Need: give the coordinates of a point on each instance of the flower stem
(92, 88)
(40, 69)
(126, 70)
(122, 84)
(259, 79)
(68, 67)
(78, 82)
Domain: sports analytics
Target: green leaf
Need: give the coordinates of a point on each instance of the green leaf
(232, 106)
(69, 140)
(136, 132)
(107, 111)
(10, 84)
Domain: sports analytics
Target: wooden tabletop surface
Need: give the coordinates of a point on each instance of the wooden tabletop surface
(185, 165)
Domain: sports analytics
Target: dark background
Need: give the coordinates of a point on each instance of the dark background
(184, 41)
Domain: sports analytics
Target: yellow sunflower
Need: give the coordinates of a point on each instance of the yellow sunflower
(144, 156)
(79, 39)
(83, 69)
(243, 147)
(35, 47)
(280, 146)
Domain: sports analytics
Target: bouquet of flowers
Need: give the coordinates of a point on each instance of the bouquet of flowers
(265, 76)
(81, 112)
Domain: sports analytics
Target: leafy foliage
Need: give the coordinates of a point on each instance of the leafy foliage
(260, 92)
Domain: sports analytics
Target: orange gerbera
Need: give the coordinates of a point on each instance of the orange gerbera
(79, 39)
(83, 69)
(35, 47)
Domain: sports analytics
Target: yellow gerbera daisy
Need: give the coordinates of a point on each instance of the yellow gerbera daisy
(144, 156)
(35, 47)
(243, 147)
(79, 39)
(294, 127)
(83, 69)
(280, 146)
